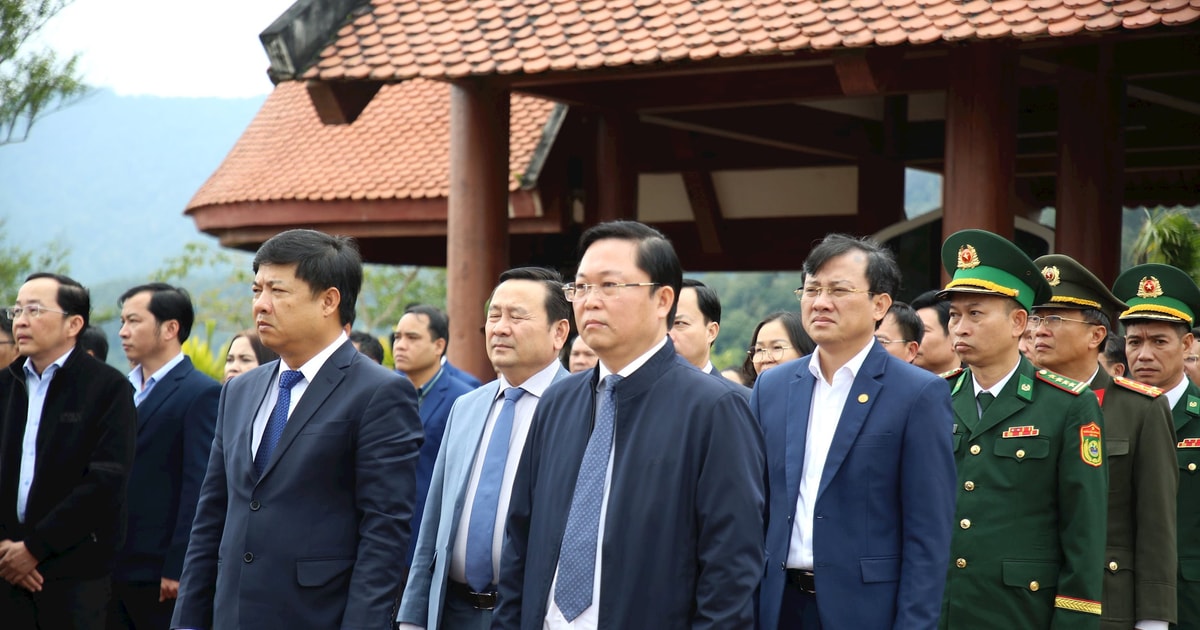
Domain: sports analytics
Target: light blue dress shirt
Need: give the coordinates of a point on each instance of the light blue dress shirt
(142, 390)
(38, 385)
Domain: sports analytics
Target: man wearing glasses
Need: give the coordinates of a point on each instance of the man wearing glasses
(901, 332)
(1070, 330)
(861, 471)
(639, 499)
(1163, 303)
(68, 424)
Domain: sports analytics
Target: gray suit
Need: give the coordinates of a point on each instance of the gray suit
(318, 541)
(426, 591)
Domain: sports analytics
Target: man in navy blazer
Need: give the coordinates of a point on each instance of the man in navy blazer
(639, 501)
(421, 338)
(304, 513)
(861, 469)
(527, 324)
(177, 413)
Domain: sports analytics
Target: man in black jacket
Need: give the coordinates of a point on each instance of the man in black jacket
(67, 426)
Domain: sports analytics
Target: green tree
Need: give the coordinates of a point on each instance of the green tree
(16, 263)
(33, 82)
(1170, 237)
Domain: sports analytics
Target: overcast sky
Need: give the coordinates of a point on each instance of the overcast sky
(169, 47)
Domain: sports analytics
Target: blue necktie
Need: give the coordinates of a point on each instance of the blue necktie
(577, 556)
(278, 420)
(482, 528)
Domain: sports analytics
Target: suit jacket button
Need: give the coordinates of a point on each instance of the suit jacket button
(248, 558)
(254, 505)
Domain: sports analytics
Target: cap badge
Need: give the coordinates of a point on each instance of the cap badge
(968, 258)
(1051, 274)
(1149, 287)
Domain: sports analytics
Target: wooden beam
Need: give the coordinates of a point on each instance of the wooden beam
(340, 103)
(867, 72)
(702, 196)
(881, 173)
(616, 167)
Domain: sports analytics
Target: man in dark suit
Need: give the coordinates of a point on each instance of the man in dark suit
(67, 445)
(304, 512)
(177, 411)
(861, 472)
(1069, 331)
(453, 586)
(418, 348)
(697, 324)
(639, 499)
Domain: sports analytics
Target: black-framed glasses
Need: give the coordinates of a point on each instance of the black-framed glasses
(579, 290)
(34, 311)
(834, 293)
(775, 353)
(1052, 322)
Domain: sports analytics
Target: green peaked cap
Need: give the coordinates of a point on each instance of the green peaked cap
(982, 262)
(1159, 292)
(1073, 286)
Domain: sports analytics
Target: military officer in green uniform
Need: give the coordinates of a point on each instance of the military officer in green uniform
(1070, 331)
(1028, 544)
(1163, 302)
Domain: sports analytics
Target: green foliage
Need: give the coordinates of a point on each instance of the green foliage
(225, 301)
(387, 290)
(746, 298)
(16, 263)
(206, 356)
(33, 83)
(1170, 237)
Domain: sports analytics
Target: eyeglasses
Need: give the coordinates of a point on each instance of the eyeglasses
(758, 355)
(885, 341)
(1052, 322)
(579, 290)
(835, 293)
(34, 311)
(1191, 358)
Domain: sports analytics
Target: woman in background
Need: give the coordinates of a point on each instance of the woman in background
(777, 339)
(246, 352)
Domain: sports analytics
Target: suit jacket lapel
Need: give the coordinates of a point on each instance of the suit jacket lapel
(476, 416)
(326, 380)
(863, 393)
(241, 409)
(162, 391)
(796, 431)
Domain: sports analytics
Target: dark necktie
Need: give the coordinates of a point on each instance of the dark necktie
(482, 527)
(985, 400)
(278, 420)
(577, 556)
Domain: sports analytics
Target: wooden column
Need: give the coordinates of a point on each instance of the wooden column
(1090, 182)
(881, 174)
(616, 168)
(477, 216)
(981, 137)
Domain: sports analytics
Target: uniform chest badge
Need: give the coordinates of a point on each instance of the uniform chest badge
(968, 258)
(1089, 444)
(1014, 432)
(1189, 443)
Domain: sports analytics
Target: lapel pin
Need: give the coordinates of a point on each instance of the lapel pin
(862, 398)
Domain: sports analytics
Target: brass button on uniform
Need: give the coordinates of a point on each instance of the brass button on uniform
(1192, 467)
(975, 449)
(1020, 453)
(961, 563)
(965, 523)
(969, 486)
(1034, 586)
(1112, 566)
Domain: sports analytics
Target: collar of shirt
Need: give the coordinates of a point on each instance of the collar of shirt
(535, 384)
(853, 365)
(427, 387)
(135, 375)
(1092, 378)
(709, 367)
(31, 373)
(633, 365)
(313, 365)
(1175, 393)
(999, 386)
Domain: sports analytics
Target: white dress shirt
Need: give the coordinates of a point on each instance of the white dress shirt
(308, 370)
(825, 413)
(995, 389)
(590, 617)
(142, 387)
(37, 386)
(534, 387)
(1175, 393)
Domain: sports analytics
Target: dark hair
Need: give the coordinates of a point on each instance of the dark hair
(1096, 316)
(557, 306)
(929, 299)
(655, 255)
(72, 297)
(439, 322)
(5, 324)
(368, 345)
(166, 303)
(262, 353)
(706, 298)
(93, 339)
(883, 274)
(1114, 351)
(796, 334)
(321, 260)
(909, 322)
(1180, 328)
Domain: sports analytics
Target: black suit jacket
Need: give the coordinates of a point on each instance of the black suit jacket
(75, 513)
(175, 431)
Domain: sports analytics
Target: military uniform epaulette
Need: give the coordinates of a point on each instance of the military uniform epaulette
(1062, 382)
(952, 373)
(1141, 388)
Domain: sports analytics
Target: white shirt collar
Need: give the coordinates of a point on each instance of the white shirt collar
(999, 386)
(633, 365)
(535, 384)
(1175, 393)
(313, 365)
(854, 364)
(157, 376)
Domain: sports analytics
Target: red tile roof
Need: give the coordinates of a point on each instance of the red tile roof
(402, 39)
(398, 148)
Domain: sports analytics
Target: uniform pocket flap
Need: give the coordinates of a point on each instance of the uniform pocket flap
(321, 571)
(1023, 448)
(1189, 568)
(885, 569)
(1117, 446)
(1118, 559)
(1023, 573)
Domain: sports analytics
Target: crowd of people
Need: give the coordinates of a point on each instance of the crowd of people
(991, 455)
